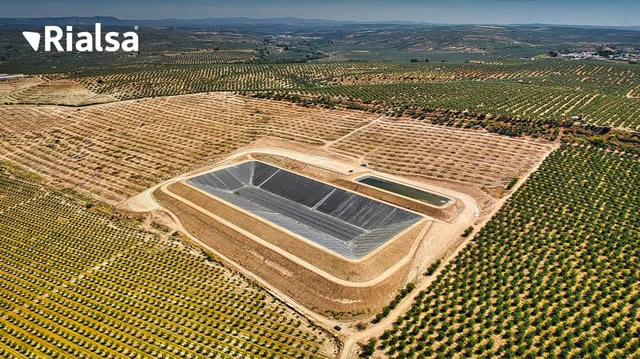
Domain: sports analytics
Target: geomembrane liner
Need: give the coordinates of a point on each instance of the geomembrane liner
(403, 190)
(341, 221)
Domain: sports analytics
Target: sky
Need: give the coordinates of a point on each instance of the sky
(570, 12)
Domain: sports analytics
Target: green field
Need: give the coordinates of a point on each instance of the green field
(77, 282)
(528, 93)
(554, 274)
(522, 102)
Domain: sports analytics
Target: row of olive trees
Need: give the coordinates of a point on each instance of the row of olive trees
(553, 274)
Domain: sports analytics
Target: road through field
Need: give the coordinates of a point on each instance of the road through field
(370, 124)
(145, 202)
(349, 347)
(350, 336)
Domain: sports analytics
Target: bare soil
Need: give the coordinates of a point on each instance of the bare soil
(113, 151)
(57, 92)
(341, 288)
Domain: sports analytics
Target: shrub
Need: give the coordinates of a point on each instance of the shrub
(369, 348)
(467, 232)
(432, 268)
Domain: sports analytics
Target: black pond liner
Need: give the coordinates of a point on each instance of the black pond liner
(344, 222)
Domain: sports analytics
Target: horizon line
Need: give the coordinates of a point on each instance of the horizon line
(363, 22)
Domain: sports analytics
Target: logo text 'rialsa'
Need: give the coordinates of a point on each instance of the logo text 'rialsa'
(84, 42)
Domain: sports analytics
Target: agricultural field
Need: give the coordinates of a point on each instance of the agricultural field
(113, 151)
(116, 150)
(529, 103)
(412, 148)
(114, 242)
(359, 73)
(9, 86)
(77, 281)
(201, 57)
(553, 274)
(57, 92)
(175, 80)
(544, 91)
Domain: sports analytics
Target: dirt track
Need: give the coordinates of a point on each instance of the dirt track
(144, 201)
(349, 347)
(115, 150)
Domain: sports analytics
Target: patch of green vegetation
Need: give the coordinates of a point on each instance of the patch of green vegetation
(433, 267)
(556, 270)
(74, 282)
(369, 348)
(512, 183)
(394, 303)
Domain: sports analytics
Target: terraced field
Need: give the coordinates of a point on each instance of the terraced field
(11, 85)
(80, 283)
(553, 274)
(57, 92)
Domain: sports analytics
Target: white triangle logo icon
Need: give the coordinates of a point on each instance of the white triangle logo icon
(33, 38)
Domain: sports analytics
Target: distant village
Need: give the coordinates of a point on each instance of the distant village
(607, 54)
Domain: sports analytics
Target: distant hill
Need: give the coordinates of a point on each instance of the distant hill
(108, 20)
(237, 21)
(72, 20)
(207, 22)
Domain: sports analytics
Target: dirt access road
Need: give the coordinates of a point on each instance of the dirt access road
(349, 335)
(349, 348)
